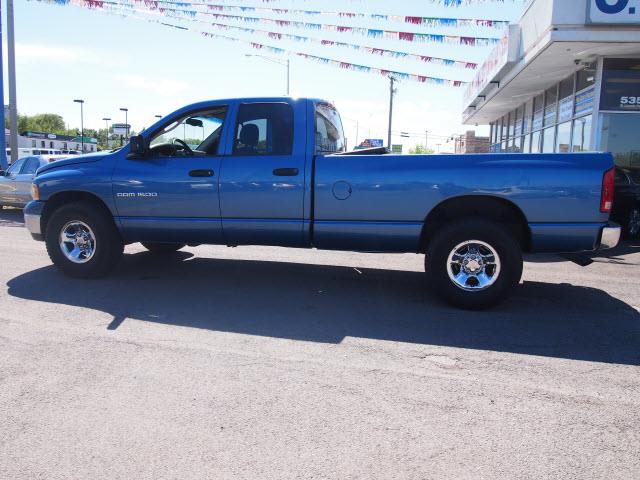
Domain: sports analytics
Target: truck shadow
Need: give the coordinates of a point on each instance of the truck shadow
(328, 303)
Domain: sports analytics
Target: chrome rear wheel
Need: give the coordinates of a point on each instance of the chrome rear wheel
(473, 265)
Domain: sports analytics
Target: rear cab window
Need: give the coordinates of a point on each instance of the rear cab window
(263, 129)
(329, 134)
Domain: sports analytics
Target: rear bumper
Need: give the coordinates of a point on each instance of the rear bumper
(573, 237)
(32, 219)
(610, 236)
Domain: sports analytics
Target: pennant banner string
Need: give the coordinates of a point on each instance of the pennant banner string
(370, 32)
(414, 20)
(275, 50)
(324, 42)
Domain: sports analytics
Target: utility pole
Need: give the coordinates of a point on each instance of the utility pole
(3, 147)
(106, 129)
(426, 140)
(81, 102)
(392, 92)
(13, 109)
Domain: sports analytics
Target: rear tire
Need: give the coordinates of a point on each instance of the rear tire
(474, 263)
(162, 248)
(82, 240)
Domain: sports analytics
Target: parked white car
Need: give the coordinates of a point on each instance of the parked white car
(15, 182)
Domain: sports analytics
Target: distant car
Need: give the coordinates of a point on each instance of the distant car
(626, 204)
(15, 183)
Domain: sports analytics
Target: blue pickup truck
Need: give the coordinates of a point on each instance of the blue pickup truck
(275, 171)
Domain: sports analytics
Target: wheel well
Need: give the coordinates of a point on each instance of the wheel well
(64, 198)
(493, 208)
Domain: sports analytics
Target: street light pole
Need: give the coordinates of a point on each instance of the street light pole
(11, 63)
(3, 148)
(106, 128)
(81, 102)
(126, 123)
(392, 92)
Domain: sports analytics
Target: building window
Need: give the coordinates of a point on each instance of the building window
(42, 144)
(581, 134)
(548, 139)
(620, 137)
(565, 106)
(33, 144)
(620, 85)
(526, 145)
(586, 78)
(512, 124)
(518, 122)
(538, 109)
(535, 142)
(551, 106)
(563, 139)
(528, 116)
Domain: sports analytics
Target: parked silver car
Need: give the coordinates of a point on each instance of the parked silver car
(15, 183)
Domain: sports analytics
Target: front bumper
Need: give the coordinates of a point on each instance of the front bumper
(33, 219)
(610, 236)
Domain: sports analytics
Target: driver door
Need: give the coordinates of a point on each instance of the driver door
(171, 195)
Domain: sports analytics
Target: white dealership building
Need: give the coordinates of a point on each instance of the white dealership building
(565, 78)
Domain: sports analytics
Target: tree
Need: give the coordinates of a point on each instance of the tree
(42, 122)
(420, 150)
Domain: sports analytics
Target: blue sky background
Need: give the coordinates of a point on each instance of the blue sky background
(69, 52)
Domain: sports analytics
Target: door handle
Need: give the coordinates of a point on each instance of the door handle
(286, 172)
(201, 173)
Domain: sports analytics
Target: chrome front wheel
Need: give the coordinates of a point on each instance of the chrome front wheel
(473, 265)
(77, 241)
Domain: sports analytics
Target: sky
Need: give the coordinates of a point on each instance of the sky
(67, 52)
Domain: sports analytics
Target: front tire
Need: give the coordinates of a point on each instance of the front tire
(82, 240)
(474, 263)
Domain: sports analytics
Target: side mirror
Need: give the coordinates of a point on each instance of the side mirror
(136, 147)
(3, 173)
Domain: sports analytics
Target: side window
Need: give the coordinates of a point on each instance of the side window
(264, 129)
(329, 134)
(31, 164)
(200, 131)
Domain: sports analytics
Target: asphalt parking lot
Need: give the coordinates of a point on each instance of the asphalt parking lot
(268, 363)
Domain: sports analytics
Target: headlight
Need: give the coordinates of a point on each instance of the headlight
(35, 192)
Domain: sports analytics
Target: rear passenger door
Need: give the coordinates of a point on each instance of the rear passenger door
(262, 177)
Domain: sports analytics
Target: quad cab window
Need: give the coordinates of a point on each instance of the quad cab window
(329, 133)
(197, 134)
(264, 129)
